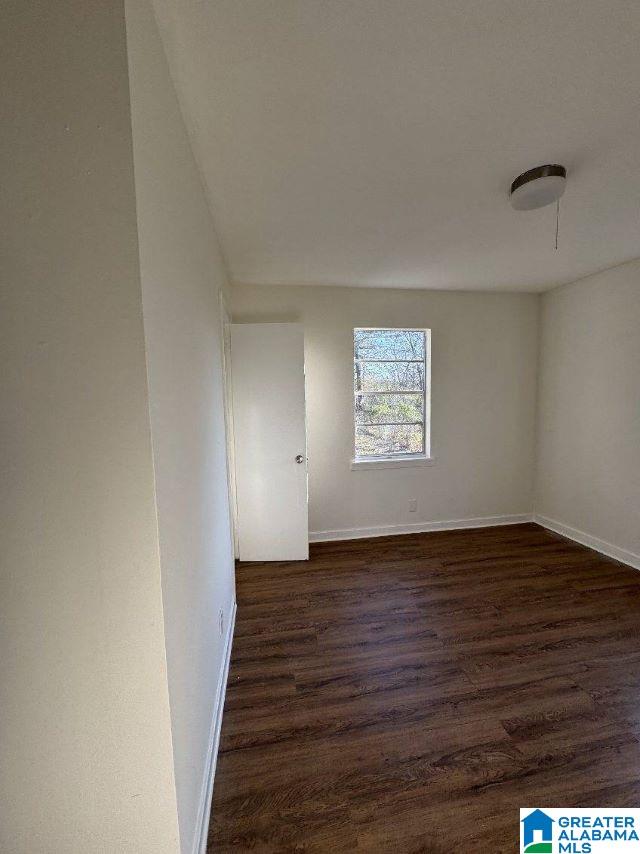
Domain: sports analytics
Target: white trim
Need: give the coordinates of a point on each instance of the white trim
(419, 527)
(206, 792)
(366, 463)
(391, 329)
(602, 546)
(225, 355)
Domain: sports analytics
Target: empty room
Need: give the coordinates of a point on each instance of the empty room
(320, 432)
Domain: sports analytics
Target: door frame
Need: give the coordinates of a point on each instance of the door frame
(225, 339)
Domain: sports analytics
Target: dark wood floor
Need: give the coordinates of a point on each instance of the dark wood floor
(408, 694)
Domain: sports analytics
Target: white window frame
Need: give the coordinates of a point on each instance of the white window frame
(384, 461)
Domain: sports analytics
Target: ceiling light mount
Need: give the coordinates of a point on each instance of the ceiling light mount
(538, 187)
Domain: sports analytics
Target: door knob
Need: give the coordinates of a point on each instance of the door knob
(299, 458)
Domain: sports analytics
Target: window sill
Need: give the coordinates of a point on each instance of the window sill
(364, 463)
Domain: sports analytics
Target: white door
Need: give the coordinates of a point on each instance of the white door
(267, 361)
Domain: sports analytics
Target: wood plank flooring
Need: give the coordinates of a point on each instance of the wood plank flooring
(409, 694)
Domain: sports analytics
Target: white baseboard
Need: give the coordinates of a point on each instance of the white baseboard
(602, 546)
(204, 809)
(419, 527)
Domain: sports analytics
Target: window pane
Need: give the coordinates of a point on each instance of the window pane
(388, 376)
(375, 440)
(388, 344)
(381, 408)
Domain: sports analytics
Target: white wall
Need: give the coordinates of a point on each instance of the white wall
(86, 762)
(588, 474)
(484, 352)
(182, 274)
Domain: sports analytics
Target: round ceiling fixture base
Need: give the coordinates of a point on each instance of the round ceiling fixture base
(538, 187)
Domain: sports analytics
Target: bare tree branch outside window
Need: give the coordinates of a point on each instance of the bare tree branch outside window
(390, 391)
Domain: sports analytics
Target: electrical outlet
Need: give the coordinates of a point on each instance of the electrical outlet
(221, 622)
(413, 505)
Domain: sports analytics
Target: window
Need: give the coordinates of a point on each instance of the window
(391, 393)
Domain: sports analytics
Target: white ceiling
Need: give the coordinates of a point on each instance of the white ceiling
(373, 142)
